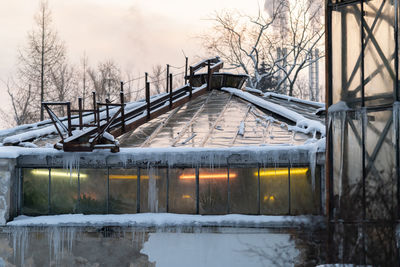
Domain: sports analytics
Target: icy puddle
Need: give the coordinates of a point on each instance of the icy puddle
(299, 245)
(224, 247)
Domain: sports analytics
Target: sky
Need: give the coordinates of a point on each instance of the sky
(136, 34)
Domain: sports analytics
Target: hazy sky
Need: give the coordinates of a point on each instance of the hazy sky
(135, 33)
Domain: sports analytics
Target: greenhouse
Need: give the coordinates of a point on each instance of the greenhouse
(224, 151)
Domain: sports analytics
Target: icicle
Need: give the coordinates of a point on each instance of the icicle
(313, 165)
(152, 191)
(58, 237)
(395, 125)
(71, 162)
(342, 117)
(364, 118)
(20, 243)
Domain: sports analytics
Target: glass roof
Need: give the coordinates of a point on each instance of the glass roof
(216, 119)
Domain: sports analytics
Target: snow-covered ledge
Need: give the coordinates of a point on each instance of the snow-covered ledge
(7, 201)
(309, 154)
(167, 220)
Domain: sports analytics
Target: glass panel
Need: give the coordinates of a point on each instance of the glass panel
(274, 191)
(346, 51)
(93, 189)
(304, 193)
(379, 52)
(178, 121)
(213, 191)
(199, 130)
(380, 167)
(64, 191)
(123, 191)
(153, 190)
(347, 164)
(182, 191)
(36, 190)
(243, 185)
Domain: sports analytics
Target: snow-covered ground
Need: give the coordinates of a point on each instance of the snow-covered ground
(165, 220)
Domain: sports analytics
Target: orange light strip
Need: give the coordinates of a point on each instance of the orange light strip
(205, 176)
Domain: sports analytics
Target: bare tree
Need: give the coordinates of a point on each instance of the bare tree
(157, 78)
(241, 41)
(21, 103)
(106, 80)
(64, 83)
(84, 70)
(303, 33)
(280, 37)
(43, 53)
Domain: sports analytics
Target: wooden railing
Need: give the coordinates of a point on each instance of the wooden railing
(91, 135)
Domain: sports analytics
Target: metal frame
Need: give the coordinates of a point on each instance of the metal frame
(366, 36)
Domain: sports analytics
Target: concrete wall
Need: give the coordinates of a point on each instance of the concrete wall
(8, 190)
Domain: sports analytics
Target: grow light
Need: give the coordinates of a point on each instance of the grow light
(57, 173)
(277, 172)
(205, 176)
(128, 177)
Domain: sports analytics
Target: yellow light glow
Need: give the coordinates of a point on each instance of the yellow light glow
(204, 176)
(276, 172)
(186, 196)
(128, 177)
(59, 173)
(270, 198)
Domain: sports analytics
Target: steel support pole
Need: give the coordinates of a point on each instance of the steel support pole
(229, 191)
(49, 193)
(186, 69)
(138, 191)
(363, 111)
(197, 191)
(396, 94)
(167, 85)
(148, 100)
(80, 107)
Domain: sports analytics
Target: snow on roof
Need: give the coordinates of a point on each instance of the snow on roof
(295, 99)
(213, 120)
(303, 124)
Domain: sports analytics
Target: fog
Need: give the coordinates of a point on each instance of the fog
(136, 34)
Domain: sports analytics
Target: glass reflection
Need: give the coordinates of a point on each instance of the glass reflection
(243, 190)
(122, 191)
(304, 195)
(274, 191)
(35, 191)
(93, 191)
(64, 191)
(182, 191)
(213, 190)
